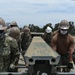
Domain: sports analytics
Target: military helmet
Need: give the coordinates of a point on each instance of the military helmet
(14, 31)
(2, 24)
(64, 24)
(13, 23)
(25, 26)
(48, 29)
(26, 29)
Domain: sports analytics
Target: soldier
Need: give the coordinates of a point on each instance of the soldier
(63, 43)
(15, 33)
(26, 39)
(25, 26)
(47, 35)
(13, 24)
(8, 50)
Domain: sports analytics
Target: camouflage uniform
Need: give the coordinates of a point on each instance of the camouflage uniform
(14, 32)
(12, 24)
(8, 49)
(26, 39)
(8, 53)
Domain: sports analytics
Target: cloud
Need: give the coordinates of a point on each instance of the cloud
(38, 12)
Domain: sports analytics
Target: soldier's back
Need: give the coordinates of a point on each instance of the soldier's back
(5, 52)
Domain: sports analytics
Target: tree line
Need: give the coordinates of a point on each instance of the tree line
(36, 28)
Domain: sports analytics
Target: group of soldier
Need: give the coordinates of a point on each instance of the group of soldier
(13, 42)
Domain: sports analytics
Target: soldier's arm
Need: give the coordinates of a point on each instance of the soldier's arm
(71, 49)
(53, 44)
(14, 52)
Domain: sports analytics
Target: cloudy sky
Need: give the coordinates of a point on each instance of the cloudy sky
(37, 12)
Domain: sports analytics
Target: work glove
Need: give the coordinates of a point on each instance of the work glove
(70, 65)
(12, 66)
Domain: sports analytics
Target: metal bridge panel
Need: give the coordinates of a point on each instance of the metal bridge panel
(40, 50)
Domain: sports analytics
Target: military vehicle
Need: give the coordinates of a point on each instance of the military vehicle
(40, 59)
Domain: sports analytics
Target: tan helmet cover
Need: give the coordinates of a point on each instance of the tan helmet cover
(64, 24)
(14, 32)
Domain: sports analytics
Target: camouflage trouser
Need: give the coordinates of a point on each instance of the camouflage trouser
(2, 69)
(4, 63)
(64, 60)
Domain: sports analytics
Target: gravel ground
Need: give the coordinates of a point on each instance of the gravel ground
(21, 61)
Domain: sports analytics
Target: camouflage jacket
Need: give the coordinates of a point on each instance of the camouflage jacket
(25, 41)
(8, 52)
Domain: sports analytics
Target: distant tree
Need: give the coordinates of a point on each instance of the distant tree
(41, 30)
(34, 28)
(71, 29)
(31, 26)
(56, 27)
